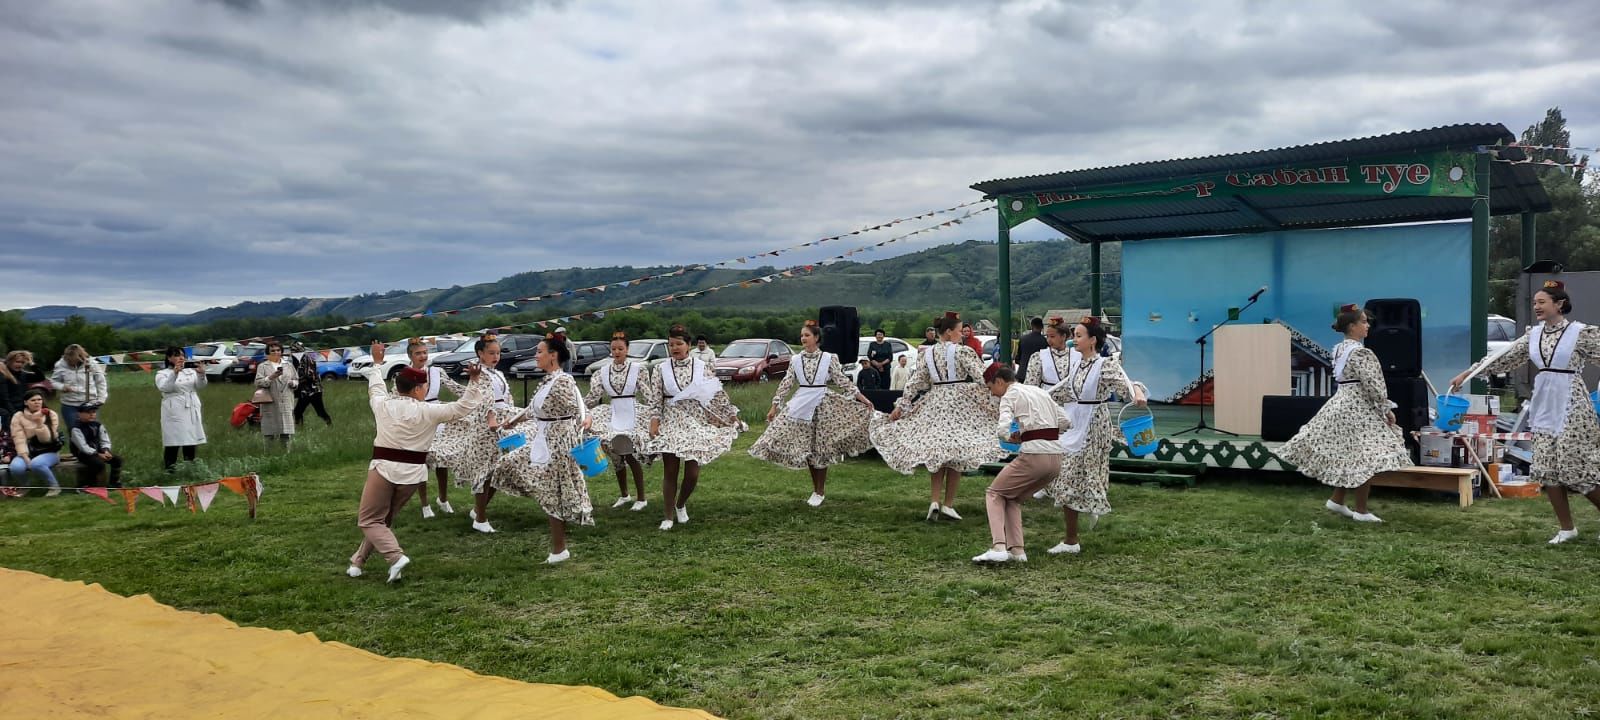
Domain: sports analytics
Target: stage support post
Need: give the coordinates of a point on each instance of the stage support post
(1529, 222)
(1094, 279)
(1479, 319)
(1003, 244)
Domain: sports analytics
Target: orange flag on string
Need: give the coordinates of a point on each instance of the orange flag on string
(130, 496)
(235, 484)
(188, 494)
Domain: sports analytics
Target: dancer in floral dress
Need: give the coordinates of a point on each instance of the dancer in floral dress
(1566, 433)
(617, 423)
(469, 446)
(1353, 437)
(1048, 367)
(417, 354)
(691, 421)
(815, 428)
(544, 468)
(1086, 466)
(943, 421)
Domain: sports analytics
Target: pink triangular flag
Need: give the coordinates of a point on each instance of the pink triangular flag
(101, 493)
(207, 493)
(172, 493)
(154, 493)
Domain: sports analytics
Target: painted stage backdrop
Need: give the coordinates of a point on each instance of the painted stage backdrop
(1175, 290)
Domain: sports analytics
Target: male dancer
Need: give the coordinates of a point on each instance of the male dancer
(1039, 462)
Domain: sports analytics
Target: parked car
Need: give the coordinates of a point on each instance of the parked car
(588, 352)
(513, 349)
(650, 352)
(215, 357)
(1502, 332)
(901, 348)
(333, 369)
(394, 355)
(245, 360)
(754, 359)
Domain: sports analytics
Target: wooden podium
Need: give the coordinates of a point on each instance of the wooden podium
(1251, 361)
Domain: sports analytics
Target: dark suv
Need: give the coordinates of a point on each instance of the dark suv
(513, 349)
(588, 352)
(244, 364)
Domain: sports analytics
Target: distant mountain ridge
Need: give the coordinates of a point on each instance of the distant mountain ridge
(1043, 274)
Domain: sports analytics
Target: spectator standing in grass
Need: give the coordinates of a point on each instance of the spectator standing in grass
(80, 380)
(970, 340)
(572, 348)
(14, 381)
(91, 445)
(930, 337)
(36, 440)
(879, 354)
(278, 379)
(309, 392)
(182, 427)
(702, 351)
(900, 373)
(1031, 343)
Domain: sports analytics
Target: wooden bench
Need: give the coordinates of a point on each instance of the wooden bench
(1457, 480)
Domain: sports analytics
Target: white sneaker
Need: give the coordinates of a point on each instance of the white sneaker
(353, 571)
(445, 508)
(624, 500)
(1062, 547)
(933, 511)
(559, 557)
(949, 512)
(639, 505)
(1338, 508)
(53, 492)
(1365, 517)
(394, 570)
(472, 514)
(992, 556)
(1564, 536)
(665, 525)
(427, 513)
(814, 500)
(1019, 557)
(482, 527)
(683, 515)
(1042, 494)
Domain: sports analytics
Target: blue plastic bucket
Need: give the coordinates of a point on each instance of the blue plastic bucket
(1139, 432)
(1012, 447)
(590, 457)
(512, 442)
(1451, 408)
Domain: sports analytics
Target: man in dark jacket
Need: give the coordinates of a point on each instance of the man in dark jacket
(1030, 343)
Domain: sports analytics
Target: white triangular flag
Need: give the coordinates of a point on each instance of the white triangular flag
(260, 487)
(206, 493)
(172, 493)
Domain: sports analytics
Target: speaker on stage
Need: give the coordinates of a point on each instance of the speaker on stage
(1283, 415)
(841, 331)
(882, 400)
(1396, 336)
(1410, 395)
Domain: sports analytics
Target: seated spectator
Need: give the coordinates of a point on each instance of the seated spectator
(14, 381)
(36, 439)
(6, 453)
(91, 445)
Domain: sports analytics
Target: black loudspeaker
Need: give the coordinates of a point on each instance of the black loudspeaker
(882, 400)
(1396, 336)
(841, 331)
(1283, 415)
(1410, 395)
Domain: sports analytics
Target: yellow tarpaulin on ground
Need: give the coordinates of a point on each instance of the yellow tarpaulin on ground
(74, 650)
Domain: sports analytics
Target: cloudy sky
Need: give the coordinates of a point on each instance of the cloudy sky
(173, 155)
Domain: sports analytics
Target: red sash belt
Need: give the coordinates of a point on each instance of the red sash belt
(1041, 434)
(411, 457)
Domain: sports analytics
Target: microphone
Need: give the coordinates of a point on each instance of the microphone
(1258, 294)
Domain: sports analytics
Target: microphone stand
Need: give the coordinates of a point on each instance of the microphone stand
(1201, 341)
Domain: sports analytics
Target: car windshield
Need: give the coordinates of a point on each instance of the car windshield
(1501, 330)
(638, 348)
(745, 350)
(445, 346)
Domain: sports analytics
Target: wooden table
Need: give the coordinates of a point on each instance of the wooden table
(1444, 479)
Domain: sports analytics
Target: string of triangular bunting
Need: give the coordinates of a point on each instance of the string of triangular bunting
(195, 496)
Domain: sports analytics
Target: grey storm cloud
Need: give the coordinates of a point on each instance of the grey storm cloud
(184, 155)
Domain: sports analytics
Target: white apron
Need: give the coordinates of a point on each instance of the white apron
(1340, 359)
(433, 385)
(539, 443)
(803, 406)
(1552, 386)
(703, 390)
(623, 407)
(949, 364)
(1081, 414)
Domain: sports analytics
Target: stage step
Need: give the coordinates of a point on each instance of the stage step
(1173, 466)
(1160, 478)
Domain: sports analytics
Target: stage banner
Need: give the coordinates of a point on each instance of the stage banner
(1439, 174)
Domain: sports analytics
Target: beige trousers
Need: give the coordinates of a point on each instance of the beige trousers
(1022, 477)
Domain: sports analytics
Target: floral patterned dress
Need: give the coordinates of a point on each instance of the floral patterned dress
(947, 416)
(555, 481)
(692, 431)
(277, 417)
(1086, 474)
(1349, 440)
(611, 384)
(838, 427)
(1570, 458)
(466, 445)
(1060, 364)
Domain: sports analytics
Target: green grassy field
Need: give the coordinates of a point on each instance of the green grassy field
(1235, 599)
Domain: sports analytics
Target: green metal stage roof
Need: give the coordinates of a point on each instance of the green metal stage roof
(1513, 189)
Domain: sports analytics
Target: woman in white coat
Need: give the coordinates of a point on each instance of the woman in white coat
(181, 425)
